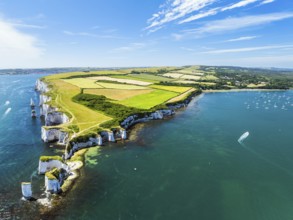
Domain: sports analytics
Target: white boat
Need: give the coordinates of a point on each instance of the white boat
(32, 103)
(243, 137)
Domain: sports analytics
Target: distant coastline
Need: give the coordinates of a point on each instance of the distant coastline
(244, 90)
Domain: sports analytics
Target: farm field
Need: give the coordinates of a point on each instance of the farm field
(173, 75)
(119, 86)
(185, 82)
(135, 92)
(127, 81)
(89, 83)
(117, 94)
(190, 77)
(83, 83)
(182, 96)
(177, 89)
(144, 77)
(149, 100)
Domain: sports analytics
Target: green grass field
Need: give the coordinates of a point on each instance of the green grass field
(144, 77)
(149, 100)
(117, 94)
(119, 80)
(83, 83)
(119, 86)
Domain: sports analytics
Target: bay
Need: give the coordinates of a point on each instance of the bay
(192, 167)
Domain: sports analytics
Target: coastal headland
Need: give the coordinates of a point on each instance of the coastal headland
(88, 108)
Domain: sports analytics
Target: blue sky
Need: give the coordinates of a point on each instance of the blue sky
(121, 33)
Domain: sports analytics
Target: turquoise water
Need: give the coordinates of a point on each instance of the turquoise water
(187, 167)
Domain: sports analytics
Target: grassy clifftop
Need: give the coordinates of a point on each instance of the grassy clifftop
(99, 99)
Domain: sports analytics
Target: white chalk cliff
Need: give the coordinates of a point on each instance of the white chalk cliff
(45, 166)
(52, 185)
(26, 189)
(54, 134)
(98, 141)
(157, 115)
(52, 117)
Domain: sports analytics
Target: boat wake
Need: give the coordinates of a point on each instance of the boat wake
(6, 112)
(265, 159)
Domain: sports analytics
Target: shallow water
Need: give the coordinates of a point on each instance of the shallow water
(187, 167)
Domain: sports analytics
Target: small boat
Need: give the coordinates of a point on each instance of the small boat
(34, 114)
(32, 104)
(243, 137)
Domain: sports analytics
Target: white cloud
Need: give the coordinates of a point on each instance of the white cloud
(239, 4)
(248, 49)
(267, 2)
(215, 11)
(200, 15)
(16, 47)
(241, 38)
(230, 24)
(178, 9)
(175, 9)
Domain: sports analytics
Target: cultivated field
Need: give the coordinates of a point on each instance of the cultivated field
(144, 77)
(177, 89)
(127, 81)
(149, 100)
(117, 94)
(190, 77)
(119, 86)
(83, 83)
(182, 96)
(173, 75)
(185, 81)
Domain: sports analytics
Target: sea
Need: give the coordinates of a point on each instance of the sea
(190, 166)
